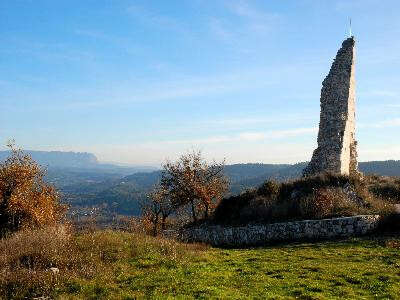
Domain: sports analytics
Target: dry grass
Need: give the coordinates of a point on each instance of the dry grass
(26, 258)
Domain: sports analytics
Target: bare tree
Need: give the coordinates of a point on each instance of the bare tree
(157, 208)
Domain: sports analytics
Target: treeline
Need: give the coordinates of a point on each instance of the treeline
(383, 168)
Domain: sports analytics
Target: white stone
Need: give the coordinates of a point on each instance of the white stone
(55, 271)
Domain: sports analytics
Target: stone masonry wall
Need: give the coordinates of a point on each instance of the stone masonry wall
(337, 148)
(252, 235)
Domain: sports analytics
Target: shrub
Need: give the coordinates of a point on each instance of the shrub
(387, 190)
(390, 223)
(321, 196)
(269, 188)
(26, 258)
(327, 202)
(25, 199)
(230, 209)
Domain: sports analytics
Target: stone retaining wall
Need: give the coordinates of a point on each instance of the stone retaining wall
(263, 234)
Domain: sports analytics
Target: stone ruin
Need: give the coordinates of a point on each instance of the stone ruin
(337, 147)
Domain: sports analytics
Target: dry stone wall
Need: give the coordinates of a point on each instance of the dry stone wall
(337, 147)
(252, 235)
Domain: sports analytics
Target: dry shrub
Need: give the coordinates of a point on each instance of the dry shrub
(269, 188)
(392, 244)
(137, 225)
(34, 249)
(26, 258)
(385, 187)
(321, 196)
(25, 198)
(326, 202)
(232, 210)
(390, 223)
(258, 209)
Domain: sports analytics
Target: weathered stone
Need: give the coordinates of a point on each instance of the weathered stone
(337, 147)
(264, 234)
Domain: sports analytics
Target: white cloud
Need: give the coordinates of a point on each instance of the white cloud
(349, 5)
(176, 89)
(220, 29)
(246, 137)
(258, 21)
(380, 152)
(250, 21)
(245, 121)
(156, 153)
(388, 123)
(381, 93)
(92, 34)
(155, 19)
(381, 124)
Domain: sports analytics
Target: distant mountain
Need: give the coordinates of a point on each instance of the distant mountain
(80, 162)
(59, 158)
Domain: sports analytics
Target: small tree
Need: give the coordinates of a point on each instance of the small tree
(25, 199)
(193, 182)
(157, 208)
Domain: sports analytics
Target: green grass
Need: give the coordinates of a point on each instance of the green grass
(355, 268)
(117, 265)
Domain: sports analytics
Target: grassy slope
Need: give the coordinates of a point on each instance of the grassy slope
(355, 268)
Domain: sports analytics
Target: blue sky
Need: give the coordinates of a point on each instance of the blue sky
(141, 81)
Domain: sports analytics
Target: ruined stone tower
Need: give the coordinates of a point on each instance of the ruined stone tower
(337, 147)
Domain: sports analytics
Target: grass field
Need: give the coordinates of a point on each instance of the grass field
(126, 266)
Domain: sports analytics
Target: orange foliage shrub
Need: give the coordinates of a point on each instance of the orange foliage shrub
(25, 199)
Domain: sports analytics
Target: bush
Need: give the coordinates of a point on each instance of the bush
(25, 199)
(230, 209)
(327, 202)
(388, 189)
(269, 189)
(390, 223)
(316, 197)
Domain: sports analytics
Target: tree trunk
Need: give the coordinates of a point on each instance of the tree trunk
(155, 223)
(194, 212)
(164, 218)
(206, 211)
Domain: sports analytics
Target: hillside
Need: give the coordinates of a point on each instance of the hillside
(121, 194)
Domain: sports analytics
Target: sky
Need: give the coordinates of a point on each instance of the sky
(139, 82)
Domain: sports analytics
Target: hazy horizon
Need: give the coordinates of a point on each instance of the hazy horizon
(139, 83)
